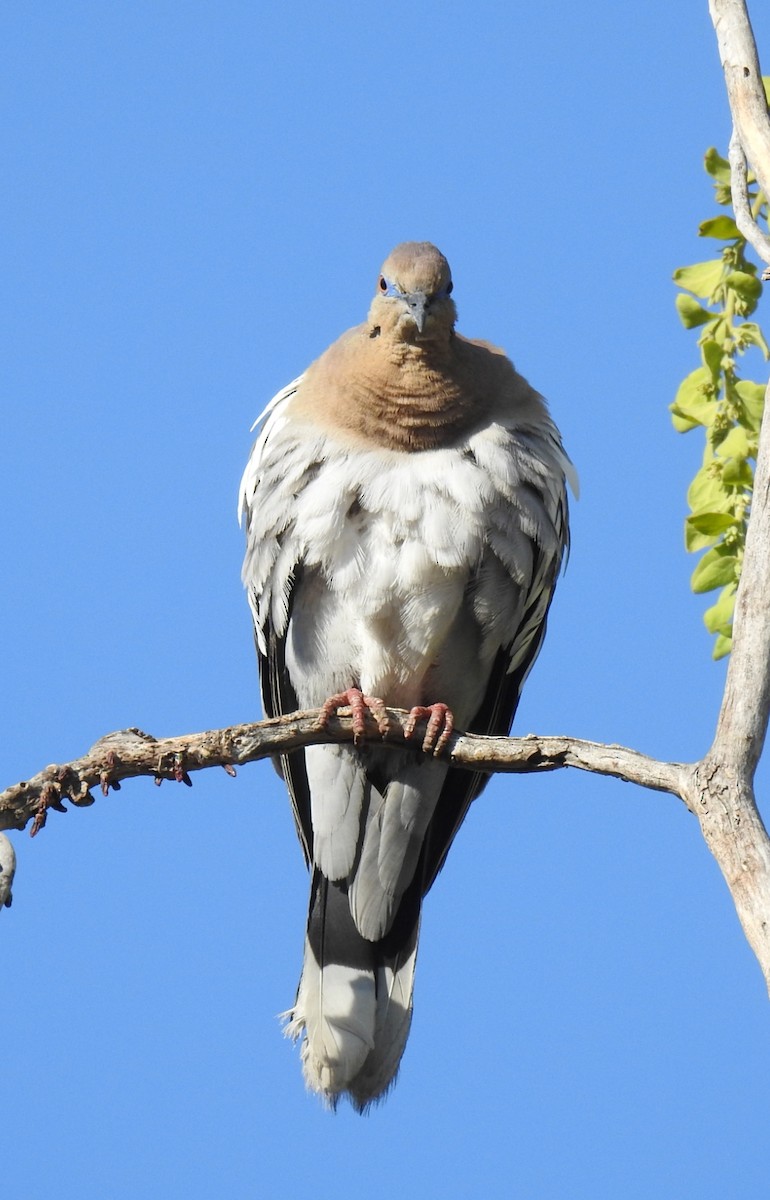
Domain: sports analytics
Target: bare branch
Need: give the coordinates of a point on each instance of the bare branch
(130, 753)
(723, 784)
(743, 717)
(740, 197)
(743, 77)
(722, 793)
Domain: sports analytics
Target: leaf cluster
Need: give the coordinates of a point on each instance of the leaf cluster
(718, 297)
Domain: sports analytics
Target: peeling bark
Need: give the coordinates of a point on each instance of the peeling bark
(130, 753)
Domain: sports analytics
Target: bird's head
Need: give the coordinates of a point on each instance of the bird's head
(413, 298)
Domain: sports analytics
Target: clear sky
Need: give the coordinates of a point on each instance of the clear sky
(196, 198)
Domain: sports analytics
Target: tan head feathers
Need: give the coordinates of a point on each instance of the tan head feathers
(417, 267)
(413, 298)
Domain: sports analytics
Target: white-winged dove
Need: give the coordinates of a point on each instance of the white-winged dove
(406, 519)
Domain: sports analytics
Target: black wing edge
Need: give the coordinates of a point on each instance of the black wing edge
(279, 697)
(494, 718)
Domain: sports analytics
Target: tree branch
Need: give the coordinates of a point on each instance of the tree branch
(743, 717)
(723, 784)
(739, 192)
(130, 753)
(722, 792)
(745, 92)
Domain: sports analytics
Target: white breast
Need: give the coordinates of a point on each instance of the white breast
(409, 564)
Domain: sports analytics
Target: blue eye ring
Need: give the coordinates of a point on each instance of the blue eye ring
(388, 287)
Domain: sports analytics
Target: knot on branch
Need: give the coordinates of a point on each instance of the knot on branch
(173, 766)
(60, 784)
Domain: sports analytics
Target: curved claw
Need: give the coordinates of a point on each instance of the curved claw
(358, 703)
(439, 729)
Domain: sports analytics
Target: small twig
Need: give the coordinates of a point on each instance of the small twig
(130, 753)
(740, 198)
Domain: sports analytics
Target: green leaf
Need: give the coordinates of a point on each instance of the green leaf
(715, 569)
(694, 541)
(712, 355)
(748, 287)
(752, 396)
(719, 618)
(702, 278)
(691, 313)
(736, 444)
(717, 167)
(694, 401)
(737, 473)
(720, 331)
(722, 646)
(681, 424)
(751, 393)
(749, 332)
(712, 523)
(721, 227)
(707, 493)
(703, 528)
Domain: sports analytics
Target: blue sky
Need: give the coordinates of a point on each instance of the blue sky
(196, 199)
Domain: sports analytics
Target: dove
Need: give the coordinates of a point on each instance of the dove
(406, 520)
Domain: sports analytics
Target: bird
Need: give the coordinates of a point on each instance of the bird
(406, 519)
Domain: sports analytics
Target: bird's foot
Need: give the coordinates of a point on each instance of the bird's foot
(439, 729)
(358, 703)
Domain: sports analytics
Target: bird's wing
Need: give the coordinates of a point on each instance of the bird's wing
(270, 577)
(541, 507)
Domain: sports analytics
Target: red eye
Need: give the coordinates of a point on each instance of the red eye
(383, 284)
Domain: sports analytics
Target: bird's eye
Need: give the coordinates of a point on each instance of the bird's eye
(383, 284)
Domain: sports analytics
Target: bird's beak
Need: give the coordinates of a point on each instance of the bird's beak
(418, 303)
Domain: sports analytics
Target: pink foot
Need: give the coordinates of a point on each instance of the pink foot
(440, 721)
(358, 703)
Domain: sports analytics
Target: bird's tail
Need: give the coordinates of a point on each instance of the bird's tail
(354, 1002)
